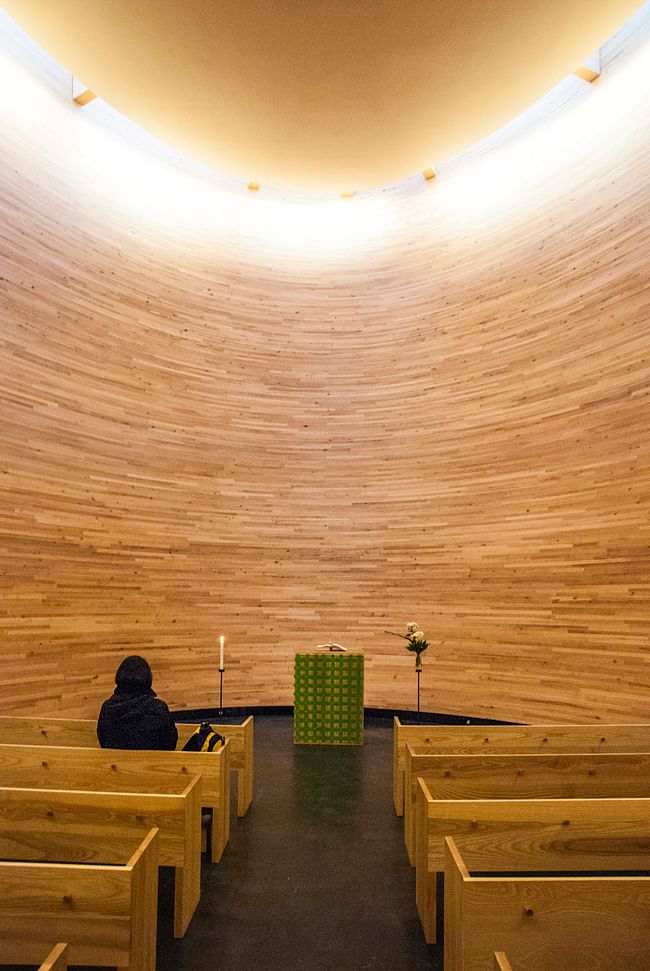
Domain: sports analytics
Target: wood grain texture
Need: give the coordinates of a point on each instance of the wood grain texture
(535, 834)
(107, 914)
(119, 770)
(562, 776)
(205, 432)
(587, 923)
(86, 826)
(496, 739)
(22, 730)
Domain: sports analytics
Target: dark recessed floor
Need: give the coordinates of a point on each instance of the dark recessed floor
(315, 876)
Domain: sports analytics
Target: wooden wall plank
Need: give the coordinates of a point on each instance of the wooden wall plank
(200, 434)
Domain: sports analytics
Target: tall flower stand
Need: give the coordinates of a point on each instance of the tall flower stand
(418, 671)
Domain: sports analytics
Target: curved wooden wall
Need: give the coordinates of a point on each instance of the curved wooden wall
(202, 436)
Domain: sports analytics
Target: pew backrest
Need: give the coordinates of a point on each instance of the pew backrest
(89, 826)
(534, 834)
(66, 732)
(470, 739)
(31, 766)
(583, 775)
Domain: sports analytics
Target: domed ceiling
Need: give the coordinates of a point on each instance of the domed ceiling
(330, 95)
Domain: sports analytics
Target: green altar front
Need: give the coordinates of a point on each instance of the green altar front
(328, 699)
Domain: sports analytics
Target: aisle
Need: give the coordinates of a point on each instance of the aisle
(316, 875)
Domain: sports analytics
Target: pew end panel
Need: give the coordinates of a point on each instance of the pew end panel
(425, 878)
(220, 822)
(245, 773)
(398, 771)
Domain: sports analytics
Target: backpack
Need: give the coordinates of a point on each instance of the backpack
(204, 739)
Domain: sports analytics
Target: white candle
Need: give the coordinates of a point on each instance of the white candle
(221, 653)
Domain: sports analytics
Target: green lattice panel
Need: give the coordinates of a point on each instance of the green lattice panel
(328, 699)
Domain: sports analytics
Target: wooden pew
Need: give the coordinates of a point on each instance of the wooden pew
(23, 730)
(531, 828)
(470, 739)
(105, 912)
(28, 766)
(576, 921)
(241, 755)
(57, 959)
(501, 962)
(47, 817)
(564, 775)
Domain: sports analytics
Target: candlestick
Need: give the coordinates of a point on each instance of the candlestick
(221, 639)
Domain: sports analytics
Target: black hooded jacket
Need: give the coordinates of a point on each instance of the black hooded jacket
(136, 720)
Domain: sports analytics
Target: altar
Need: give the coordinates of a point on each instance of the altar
(328, 699)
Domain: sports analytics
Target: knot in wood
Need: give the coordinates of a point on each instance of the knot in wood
(67, 900)
(113, 767)
(566, 822)
(529, 911)
(44, 764)
(49, 812)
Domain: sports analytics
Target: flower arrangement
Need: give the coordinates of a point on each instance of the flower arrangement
(416, 641)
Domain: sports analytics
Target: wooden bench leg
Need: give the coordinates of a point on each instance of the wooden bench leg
(217, 836)
(187, 893)
(244, 790)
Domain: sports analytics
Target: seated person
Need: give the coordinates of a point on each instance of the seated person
(133, 717)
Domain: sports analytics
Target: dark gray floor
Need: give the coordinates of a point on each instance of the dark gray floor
(316, 874)
(315, 877)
